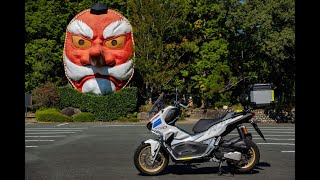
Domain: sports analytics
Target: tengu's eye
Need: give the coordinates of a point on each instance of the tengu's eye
(79, 42)
(116, 42)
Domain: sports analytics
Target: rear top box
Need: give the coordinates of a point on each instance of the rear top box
(261, 94)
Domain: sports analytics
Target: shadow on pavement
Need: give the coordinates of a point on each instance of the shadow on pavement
(262, 164)
(193, 169)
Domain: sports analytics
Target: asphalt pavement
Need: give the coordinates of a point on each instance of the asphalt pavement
(98, 151)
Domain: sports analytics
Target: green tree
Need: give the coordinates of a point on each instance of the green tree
(45, 24)
(205, 48)
(209, 72)
(161, 51)
(262, 42)
(43, 63)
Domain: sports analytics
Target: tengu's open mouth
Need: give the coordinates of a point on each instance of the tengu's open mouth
(118, 83)
(117, 75)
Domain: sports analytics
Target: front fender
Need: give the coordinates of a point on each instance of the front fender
(154, 145)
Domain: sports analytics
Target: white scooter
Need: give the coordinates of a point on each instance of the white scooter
(206, 144)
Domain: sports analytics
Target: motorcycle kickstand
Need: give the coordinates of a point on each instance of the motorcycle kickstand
(221, 170)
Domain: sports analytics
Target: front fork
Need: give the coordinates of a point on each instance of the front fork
(155, 148)
(243, 132)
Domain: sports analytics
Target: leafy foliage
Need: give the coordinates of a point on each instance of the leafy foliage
(211, 50)
(45, 96)
(161, 50)
(262, 43)
(45, 23)
(127, 119)
(51, 115)
(42, 57)
(104, 108)
(84, 117)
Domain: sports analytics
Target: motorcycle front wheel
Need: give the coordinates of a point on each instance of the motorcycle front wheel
(142, 160)
(250, 158)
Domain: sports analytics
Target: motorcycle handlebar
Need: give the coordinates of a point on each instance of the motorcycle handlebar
(184, 106)
(177, 103)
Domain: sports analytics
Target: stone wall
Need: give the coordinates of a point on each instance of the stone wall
(260, 116)
(204, 113)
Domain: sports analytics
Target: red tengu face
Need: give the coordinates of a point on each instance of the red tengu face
(98, 52)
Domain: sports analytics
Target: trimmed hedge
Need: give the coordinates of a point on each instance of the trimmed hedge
(51, 115)
(84, 117)
(126, 119)
(104, 107)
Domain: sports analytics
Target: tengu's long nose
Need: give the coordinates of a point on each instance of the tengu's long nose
(99, 56)
(97, 61)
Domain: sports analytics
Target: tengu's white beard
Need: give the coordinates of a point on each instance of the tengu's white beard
(75, 72)
(98, 86)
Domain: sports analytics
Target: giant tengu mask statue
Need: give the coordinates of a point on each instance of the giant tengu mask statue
(98, 51)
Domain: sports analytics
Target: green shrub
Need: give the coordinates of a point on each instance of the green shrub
(84, 117)
(45, 96)
(51, 115)
(134, 119)
(236, 107)
(104, 107)
(122, 119)
(181, 119)
(126, 119)
(220, 104)
(132, 115)
(145, 108)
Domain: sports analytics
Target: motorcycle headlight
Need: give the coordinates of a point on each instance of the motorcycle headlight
(149, 125)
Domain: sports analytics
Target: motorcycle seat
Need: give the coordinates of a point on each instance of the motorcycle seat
(205, 124)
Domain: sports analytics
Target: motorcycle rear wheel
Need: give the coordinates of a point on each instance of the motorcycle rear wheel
(250, 159)
(142, 160)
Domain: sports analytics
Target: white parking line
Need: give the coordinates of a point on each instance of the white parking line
(40, 133)
(261, 127)
(276, 139)
(277, 132)
(277, 135)
(43, 136)
(120, 125)
(292, 130)
(50, 132)
(267, 135)
(39, 140)
(62, 124)
(287, 151)
(290, 144)
(56, 128)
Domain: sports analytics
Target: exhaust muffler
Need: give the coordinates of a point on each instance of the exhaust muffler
(233, 155)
